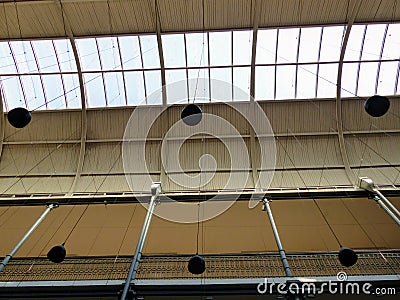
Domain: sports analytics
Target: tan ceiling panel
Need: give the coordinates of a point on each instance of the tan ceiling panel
(55, 126)
(103, 158)
(49, 159)
(386, 176)
(108, 124)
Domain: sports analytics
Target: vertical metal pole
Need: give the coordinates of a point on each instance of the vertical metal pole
(282, 252)
(25, 237)
(385, 208)
(155, 191)
(387, 202)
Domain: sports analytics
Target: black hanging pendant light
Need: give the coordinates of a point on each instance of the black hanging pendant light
(347, 257)
(196, 265)
(19, 117)
(57, 254)
(191, 115)
(377, 106)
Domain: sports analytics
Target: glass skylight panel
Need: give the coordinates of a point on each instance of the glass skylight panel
(115, 92)
(46, 56)
(331, 45)
(72, 90)
(7, 65)
(266, 46)
(135, 87)
(151, 58)
(367, 79)
(309, 44)
(349, 79)
(354, 43)
(176, 86)
(220, 48)
(94, 90)
(174, 50)
(306, 81)
(285, 82)
(242, 47)
(13, 92)
(241, 84)
(373, 42)
(387, 78)
(391, 48)
(65, 55)
(197, 49)
(88, 54)
(153, 87)
(327, 79)
(130, 52)
(221, 84)
(24, 58)
(264, 85)
(109, 53)
(54, 92)
(34, 92)
(288, 40)
(199, 85)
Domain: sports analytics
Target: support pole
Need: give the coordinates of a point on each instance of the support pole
(368, 185)
(385, 208)
(155, 191)
(282, 252)
(25, 237)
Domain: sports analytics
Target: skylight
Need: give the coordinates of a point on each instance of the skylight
(291, 63)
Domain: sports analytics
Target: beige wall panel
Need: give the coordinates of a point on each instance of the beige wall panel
(45, 159)
(140, 183)
(38, 185)
(48, 126)
(181, 182)
(107, 124)
(309, 178)
(355, 117)
(302, 116)
(316, 151)
(374, 150)
(100, 183)
(103, 158)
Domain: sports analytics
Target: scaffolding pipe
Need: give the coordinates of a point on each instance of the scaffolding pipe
(282, 252)
(387, 202)
(385, 208)
(25, 237)
(155, 191)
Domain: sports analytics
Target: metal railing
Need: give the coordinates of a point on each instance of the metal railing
(218, 267)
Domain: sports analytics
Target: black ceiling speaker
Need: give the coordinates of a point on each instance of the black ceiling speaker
(196, 265)
(377, 106)
(191, 115)
(57, 254)
(19, 117)
(347, 257)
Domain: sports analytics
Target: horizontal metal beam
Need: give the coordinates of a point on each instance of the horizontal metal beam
(102, 198)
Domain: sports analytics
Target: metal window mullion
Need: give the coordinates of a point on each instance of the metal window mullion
(319, 58)
(297, 64)
(62, 77)
(396, 82)
(102, 73)
(144, 77)
(19, 76)
(209, 65)
(40, 76)
(380, 58)
(123, 71)
(359, 64)
(232, 89)
(186, 69)
(276, 60)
